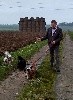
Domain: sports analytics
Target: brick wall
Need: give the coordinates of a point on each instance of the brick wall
(32, 25)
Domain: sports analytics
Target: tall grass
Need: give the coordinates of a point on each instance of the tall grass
(71, 35)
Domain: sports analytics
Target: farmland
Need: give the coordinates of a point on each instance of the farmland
(26, 49)
(26, 52)
(12, 40)
(70, 34)
(40, 88)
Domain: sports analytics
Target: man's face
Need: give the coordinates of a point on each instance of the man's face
(53, 25)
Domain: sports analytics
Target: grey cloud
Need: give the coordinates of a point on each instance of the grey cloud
(70, 8)
(10, 7)
(19, 6)
(18, 2)
(58, 9)
(40, 3)
(41, 7)
(32, 8)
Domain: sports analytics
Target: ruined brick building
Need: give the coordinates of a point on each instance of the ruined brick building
(32, 25)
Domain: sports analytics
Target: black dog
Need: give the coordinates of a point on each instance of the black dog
(21, 64)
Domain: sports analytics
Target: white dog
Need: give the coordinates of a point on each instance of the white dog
(8, 58)
(31, 71)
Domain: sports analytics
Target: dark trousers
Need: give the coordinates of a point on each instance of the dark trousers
(54, 56)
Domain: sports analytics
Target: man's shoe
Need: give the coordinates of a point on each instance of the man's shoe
(51, 66)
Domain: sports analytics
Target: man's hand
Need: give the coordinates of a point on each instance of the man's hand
(53, 42)
(38, 39)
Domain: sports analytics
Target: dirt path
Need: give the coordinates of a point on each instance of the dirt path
(64, 83)
(10, 87)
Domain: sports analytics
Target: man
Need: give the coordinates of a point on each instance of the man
(54, 36)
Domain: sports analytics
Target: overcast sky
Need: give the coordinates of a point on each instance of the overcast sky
(12, 10)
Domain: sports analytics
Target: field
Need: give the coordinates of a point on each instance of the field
(70, 34)
(26, 52)
(13, 40)
(41, 88)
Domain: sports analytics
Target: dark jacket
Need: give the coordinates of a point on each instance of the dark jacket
(57, 37)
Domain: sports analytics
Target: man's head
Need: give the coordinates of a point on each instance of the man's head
(53, 23)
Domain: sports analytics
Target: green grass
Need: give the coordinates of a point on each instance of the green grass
(42, 87)
(25, 52)
(71, 35)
